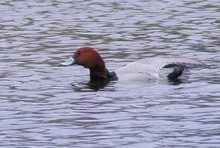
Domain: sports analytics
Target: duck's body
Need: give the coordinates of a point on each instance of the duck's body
(141, 70)
(155, 68)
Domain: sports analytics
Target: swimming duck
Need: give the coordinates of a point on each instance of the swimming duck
(144, 69)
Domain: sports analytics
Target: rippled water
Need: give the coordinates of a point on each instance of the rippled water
(43, 105)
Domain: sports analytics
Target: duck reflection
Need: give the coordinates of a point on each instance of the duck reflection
(89, 86)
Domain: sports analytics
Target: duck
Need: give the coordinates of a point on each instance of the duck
(144, 69)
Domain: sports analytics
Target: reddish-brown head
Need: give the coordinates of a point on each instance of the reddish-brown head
(89, 58)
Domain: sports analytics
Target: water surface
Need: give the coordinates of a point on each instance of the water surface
(43, 105)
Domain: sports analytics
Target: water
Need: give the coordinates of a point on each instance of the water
(43, 105)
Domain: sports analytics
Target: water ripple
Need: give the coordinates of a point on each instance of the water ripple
(43, 105)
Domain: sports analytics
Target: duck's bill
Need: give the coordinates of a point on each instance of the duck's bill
(69, 61)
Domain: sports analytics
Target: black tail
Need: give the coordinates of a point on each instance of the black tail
(177, 72)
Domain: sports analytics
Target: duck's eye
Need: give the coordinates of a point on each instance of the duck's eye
(77, 54)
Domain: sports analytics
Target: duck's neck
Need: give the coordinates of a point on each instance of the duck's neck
(102, 75)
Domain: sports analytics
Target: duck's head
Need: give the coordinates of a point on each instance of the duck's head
(91, 59)
(87, 57)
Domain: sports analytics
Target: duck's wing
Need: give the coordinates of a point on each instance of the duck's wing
(173, 62)
(178, 65)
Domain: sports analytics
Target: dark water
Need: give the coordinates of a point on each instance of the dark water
(42, 105)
